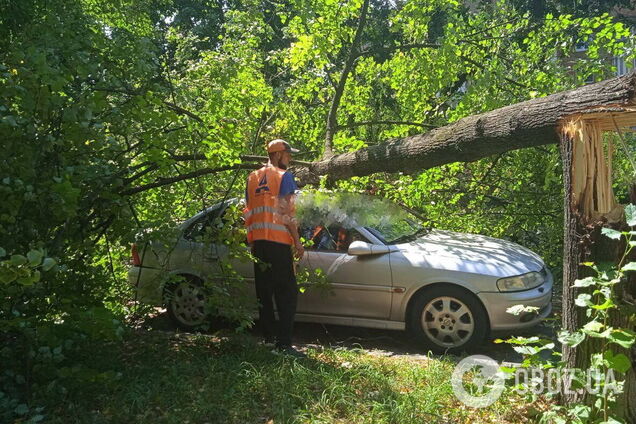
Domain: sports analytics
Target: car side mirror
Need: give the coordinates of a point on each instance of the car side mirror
(361, 248)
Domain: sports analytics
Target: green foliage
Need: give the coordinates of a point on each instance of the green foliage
(108, 111)
(226, 288)
(173, 378)
(599, 301)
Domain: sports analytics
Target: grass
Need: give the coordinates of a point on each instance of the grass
(183, 378)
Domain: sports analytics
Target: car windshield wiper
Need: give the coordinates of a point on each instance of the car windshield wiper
(410, 237)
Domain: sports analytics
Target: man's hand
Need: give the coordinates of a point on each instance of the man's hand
(299, 250)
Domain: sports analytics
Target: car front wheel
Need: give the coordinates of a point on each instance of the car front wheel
(447, 319)
(186, 303)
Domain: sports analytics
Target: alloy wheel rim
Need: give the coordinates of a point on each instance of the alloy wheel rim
(188, 304)
(448, 322)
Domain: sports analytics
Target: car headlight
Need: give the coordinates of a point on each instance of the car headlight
(520, 282)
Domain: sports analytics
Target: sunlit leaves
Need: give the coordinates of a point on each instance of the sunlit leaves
(630, 214)
(571, 339)
(611, 233)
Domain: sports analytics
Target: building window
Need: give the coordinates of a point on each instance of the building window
(621, 66)
(581, 46)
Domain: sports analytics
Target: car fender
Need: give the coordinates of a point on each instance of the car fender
(401, 301)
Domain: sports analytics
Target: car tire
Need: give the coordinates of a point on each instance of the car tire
(448, 319)
(186, 301)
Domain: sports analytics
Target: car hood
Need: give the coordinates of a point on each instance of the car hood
(471, 253)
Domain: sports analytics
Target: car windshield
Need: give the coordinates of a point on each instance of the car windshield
(387, 221)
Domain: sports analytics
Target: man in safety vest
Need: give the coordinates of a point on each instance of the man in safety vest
(272, 230)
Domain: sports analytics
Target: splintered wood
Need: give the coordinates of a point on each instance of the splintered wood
(591, 168)
(592, 154)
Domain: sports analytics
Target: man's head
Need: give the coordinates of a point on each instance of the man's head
(279, 152)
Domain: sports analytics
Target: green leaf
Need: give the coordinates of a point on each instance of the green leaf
(48, 263)
(611, 233)
(583, 300)
(585, 282)
(620, 362)
(593, 326)
(35, 257)
(629, 267)
(611, 420)
(17, 260)
(25, 281)
(630, 215)
(527, 350)
(571, 339)
(522, 340)
(3, 252)
(609, 303)
(623, 338)
(7, 275)
(581, 411)
(21, 409)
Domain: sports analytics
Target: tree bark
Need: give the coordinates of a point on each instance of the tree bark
(589, 205)
(527, 124)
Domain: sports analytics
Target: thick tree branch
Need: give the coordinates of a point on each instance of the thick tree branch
(363, 123)
(247, 158)
(332, 121)
(198, 173)
(527, 124)
(172, 106)
(162, 181)
(182, 111)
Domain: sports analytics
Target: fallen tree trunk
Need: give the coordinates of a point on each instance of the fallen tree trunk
(577, 120)
(527, 124)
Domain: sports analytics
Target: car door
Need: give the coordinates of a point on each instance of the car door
(360, 286)
(208, 251)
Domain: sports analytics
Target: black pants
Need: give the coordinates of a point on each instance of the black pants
(275, 277)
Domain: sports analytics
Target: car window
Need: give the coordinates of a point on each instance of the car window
(387, 221)
(218, 225)
(206, 226)
(335, 238)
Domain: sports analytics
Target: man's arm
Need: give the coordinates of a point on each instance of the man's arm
(286, 210)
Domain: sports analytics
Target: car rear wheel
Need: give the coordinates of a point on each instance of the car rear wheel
(447, 319)
(186, 303)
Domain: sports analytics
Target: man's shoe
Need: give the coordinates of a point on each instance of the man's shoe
(288, 351)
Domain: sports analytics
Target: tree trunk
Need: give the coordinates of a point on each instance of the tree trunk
(589, 205)
(332, 116)
(527, 124)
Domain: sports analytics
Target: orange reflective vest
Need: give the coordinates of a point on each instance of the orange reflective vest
(262, 219)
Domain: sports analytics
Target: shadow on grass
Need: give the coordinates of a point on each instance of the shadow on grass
(185, 378)
(376, 341)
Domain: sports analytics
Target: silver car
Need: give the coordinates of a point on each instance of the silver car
(385, 271)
